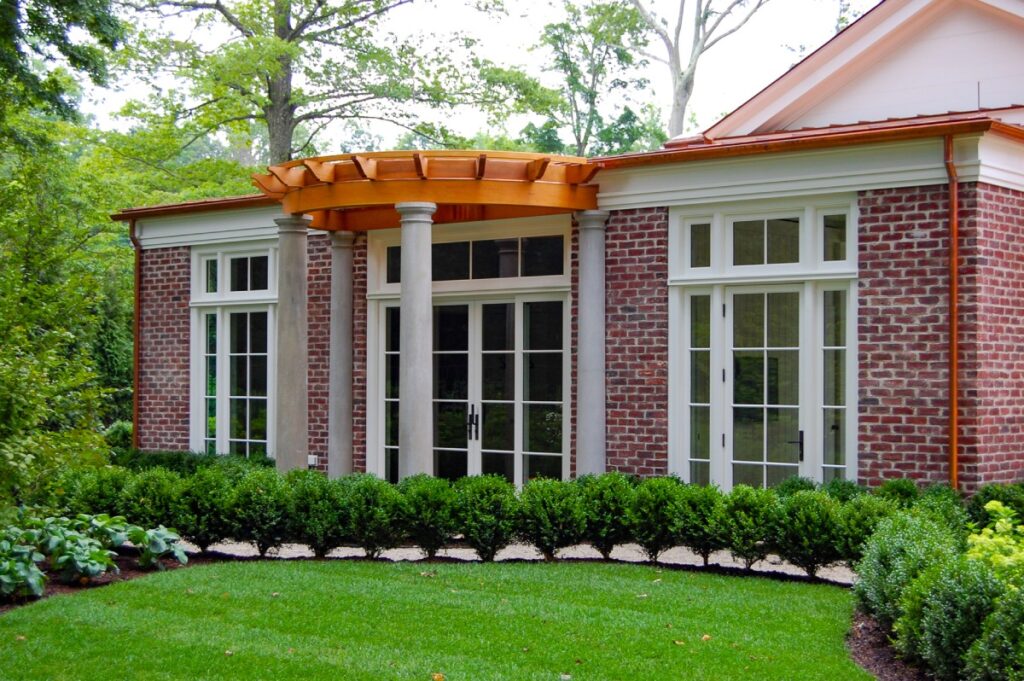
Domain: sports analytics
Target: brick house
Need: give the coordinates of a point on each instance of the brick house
(827, 282)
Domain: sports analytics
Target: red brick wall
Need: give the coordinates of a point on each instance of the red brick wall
(318, 249)
(163, 336)
(999, 372)
(359, 354)
(636, 350)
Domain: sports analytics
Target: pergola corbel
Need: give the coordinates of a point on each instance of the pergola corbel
(413, 190)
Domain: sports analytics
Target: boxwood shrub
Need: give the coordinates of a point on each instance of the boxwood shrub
(903, 547)
(749, 521)
(152, 497)
(794, 484)
(486, 511)
(204, 510)
(606, 502)
(809, 531)
(430, 509)
(656, 514)
(551, 515)
(376, 513)
(859, 518)
(998, 654)
(1011, 496)
(259, 509)
(842, 490)
(701, 510)
(93, 490)
(901, 491)
(317, 514)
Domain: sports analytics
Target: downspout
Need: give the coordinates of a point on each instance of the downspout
(135, 333)
(954, 321)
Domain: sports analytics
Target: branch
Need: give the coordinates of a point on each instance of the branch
(654, 24)
(297, 31)
(758, 5)
(328, 112)
(192, 6)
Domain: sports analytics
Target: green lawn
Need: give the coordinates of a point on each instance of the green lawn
(377, 620)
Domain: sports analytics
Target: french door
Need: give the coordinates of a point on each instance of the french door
(500, 388)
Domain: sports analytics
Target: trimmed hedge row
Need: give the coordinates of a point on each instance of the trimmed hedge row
(807, 526)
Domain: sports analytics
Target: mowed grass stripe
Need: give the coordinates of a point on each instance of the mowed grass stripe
(378, 620)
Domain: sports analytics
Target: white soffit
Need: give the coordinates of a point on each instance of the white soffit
(904, 58)
(213, 227)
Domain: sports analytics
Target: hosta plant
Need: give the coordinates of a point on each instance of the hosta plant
(20, 575)
(155, 544)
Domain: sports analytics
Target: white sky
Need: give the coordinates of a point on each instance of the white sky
(729, 74)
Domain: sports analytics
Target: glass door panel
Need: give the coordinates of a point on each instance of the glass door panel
(765, 407)
(497, 388)
(451, 390)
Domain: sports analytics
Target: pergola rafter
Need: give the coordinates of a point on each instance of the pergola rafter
(358, 192)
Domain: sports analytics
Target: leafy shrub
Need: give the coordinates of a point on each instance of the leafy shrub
(73, 555)
(842, 490)
(1000, 544)
(259, 509)
(551, 515)
(20, 575)
(959, 598)
(1011, 496)
(809, 531)
(317, 514)
(204, 513)
(485, 511)
(901, 491)
(183, 463)
(859, 518)
(109, 531)
(94, 490)
(945, 506)
(376, 513)
(700, 520)
(118, 435)
(155, 544)
(748, 522)
(655, 515)
(430, 507)
(903, 546)
(907, 628)
(998, 654)
(606, 501)
(152, 497)
(794, 484)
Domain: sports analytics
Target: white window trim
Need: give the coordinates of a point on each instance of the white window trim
(222, 304)
(815, 275)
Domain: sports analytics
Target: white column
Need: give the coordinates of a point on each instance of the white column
(292, 367)
(339, 405)
(415, 363)
(590, 387)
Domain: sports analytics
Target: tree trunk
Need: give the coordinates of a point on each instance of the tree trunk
(280, 113)
(682, 88)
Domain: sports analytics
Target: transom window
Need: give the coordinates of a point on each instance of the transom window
(535, 256)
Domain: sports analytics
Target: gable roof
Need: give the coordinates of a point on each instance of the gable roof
(899, 59)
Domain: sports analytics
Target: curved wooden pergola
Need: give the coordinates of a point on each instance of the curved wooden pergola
(358, 192)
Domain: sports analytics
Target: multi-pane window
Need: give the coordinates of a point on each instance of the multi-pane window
(534, 256)
(210, 383)
(543, 351)
(247, 364)
(699, 401)
(834, 385)
(249, 273)
(766, 242)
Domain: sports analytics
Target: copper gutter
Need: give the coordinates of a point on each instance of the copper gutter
(954, 322)
(136, 330)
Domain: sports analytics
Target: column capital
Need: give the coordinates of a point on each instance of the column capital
(591, 219)
(292, 223)
(342, 239)
(415, 209)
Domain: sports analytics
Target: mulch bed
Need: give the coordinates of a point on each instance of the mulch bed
(869, 647)
(867, 642)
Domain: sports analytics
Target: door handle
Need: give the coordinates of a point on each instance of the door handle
(473, 424)
(800, 442)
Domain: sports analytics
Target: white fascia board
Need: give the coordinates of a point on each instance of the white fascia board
(213, 227)
(1000, 162)
(848, 169)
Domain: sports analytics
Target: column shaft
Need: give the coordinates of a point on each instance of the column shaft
(590, 389)
(339, 407)
(292, 365)
(415, 364)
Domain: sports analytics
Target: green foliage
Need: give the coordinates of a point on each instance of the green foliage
(152, 497)
(118, 435)
(655, 516)
(72, 554)
(810, 531)
(901, 491)
(794, 484)
(259, 509)
(20, 575)
(945, 506)
(485, 510)
(376, 512)
(156, 544)
(1000, 544)
(318, 513)
(958, 596)
(701, 509)
(903, 546)
(92, 490)
(430, 505)
(1011, 496)
(998, 654)
(186, 463)
(204, 508)
(749, 521)
(859, 517)
(551, 515)
(607, 499)
(842, 490)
